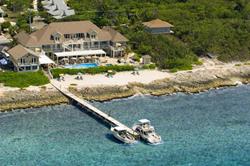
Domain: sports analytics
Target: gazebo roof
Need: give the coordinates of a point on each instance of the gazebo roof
(146, 56)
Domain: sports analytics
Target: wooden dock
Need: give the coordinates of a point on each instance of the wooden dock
(101, 115)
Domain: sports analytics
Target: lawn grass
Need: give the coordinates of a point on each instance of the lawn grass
(23, 79)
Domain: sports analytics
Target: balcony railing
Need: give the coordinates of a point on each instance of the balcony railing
(28, 64)
(53, 49)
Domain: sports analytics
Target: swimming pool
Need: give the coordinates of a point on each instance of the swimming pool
(82, 66)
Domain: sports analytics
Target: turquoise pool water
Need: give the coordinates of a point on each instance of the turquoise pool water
(206, 129)
(82, 66)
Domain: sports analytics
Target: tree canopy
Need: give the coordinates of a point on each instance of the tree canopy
(220, 27)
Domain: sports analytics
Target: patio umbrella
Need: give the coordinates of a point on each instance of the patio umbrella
(82, 57)
(94, 57)
(3, 62)
(65, 59)
(103, 59)
(122, 60)
(110, 71)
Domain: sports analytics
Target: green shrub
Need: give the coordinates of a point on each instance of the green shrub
(173, 70)
(198, 62)
(95, 70)
(137, 57)
(5, 25)
(246, 63)
(150, 66)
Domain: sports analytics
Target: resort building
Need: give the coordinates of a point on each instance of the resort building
(72, 42)
(24, 59)
(57, 8)
(158, 26)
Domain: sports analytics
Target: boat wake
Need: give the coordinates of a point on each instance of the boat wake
(155, 144)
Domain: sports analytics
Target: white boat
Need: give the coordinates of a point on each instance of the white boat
(147, 131)
(123, 135)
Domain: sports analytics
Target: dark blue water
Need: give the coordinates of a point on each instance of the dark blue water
(210, 128)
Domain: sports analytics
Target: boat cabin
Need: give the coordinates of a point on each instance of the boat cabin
(120, 129)
(144, 121)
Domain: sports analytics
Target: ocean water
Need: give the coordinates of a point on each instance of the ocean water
(211, 128)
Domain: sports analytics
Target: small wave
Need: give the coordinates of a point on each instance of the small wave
(155, 144)
(130, 145)
(126, 98)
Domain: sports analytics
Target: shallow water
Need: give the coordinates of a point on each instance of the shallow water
(211, 128)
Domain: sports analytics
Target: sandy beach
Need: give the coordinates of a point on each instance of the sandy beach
(120, 79)
(144, 77)
(211, 74)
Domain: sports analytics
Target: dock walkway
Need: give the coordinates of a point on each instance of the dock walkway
(110, 120)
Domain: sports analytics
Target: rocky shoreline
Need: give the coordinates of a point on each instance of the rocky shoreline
(28, 99)
(188, 82)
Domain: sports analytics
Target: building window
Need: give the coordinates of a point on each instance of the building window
(46, 47)
(23, 61)
(28, 68)
(82, 35)
(33, 60)
(96, 44)
(79, 35)
(34, 67)
(104, 43)
(57, 38)
(67, 36)
(74, 36)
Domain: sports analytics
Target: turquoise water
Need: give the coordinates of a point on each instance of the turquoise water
(82, 66)
(211, 128)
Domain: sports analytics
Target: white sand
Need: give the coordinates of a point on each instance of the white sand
(121, 78)
(146, 76)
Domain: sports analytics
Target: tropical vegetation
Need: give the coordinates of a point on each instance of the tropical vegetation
(218, 27)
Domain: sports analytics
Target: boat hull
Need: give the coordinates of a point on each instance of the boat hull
(122, 139)
(150, 139)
